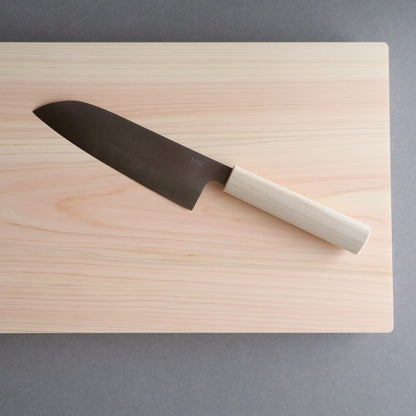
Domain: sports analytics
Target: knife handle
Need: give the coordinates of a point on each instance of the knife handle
(302, 212)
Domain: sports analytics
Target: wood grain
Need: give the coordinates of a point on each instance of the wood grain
(85, 249)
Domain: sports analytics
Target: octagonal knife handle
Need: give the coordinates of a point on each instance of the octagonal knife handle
(302, 212)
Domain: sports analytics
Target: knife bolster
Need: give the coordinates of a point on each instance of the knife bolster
(302, 212)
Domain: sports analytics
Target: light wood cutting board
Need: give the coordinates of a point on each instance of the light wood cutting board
(85, 249)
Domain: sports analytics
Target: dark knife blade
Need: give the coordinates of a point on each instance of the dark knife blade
(160, 164)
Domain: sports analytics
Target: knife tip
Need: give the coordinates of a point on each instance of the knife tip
(55, 104)
(41, 109)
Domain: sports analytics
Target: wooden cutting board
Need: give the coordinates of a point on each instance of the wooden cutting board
(85, 249)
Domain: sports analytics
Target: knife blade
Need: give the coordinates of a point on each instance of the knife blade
(180, 174)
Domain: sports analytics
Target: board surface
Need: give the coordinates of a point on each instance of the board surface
(85, 249)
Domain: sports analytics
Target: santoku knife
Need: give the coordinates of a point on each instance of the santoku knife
(180, 174)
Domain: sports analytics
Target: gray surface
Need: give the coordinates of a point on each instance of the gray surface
(230, 375)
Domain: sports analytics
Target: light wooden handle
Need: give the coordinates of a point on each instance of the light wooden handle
(324, 222)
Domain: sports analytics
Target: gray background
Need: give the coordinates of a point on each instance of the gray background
(338, 374)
